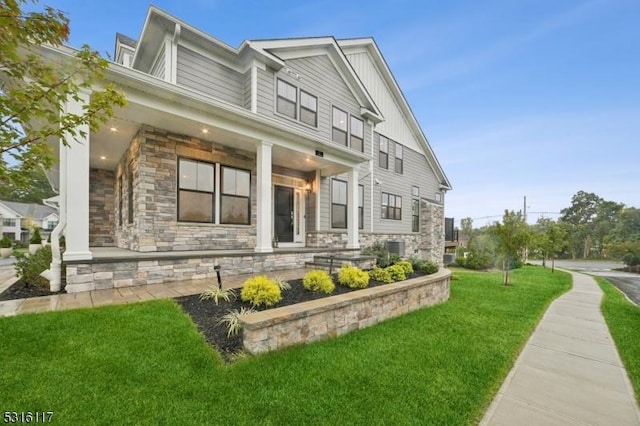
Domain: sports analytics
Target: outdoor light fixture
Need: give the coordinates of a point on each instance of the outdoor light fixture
(307, 186)
(113, 129)
(205, 131)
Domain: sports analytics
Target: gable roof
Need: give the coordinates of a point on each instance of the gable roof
(37, 211)
(369, 45)
(272, 52)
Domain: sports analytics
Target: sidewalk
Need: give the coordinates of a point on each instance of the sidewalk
(569, 372)
(125, 295)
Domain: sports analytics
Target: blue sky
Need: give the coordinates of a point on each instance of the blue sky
(517, 98)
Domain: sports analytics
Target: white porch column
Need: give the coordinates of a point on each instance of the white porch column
(75, 193)
(264, 207)
(352, 209)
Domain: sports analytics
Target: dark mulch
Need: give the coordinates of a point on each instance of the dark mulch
(206, 314)
(20, 290)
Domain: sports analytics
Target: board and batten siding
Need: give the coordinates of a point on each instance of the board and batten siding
(416, 172)
(395, 125)
(158, 68)
(318, 77)
(207, 76)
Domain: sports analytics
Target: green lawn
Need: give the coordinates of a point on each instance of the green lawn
(623, 319)
(147, 364)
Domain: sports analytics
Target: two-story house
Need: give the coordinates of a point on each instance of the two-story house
(252, 158)
(18, 219)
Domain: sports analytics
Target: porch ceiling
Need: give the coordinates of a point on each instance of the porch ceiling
(109, 143)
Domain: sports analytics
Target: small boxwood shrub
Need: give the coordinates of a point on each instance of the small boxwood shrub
(260, 290)
(396, 272)
(29, 268)
(318, 280)
(407, 266)
(427, 267)
(380, 275)
(353, 277)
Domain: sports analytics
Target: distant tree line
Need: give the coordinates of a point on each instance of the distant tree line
(590, 228)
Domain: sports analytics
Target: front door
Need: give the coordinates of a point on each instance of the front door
(283, 214)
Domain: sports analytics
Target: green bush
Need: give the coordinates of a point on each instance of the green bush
(380, 251)
(380, 275)
(260, 290)
(29, 268)
(36, 238)
(5, 242)
(396, 272)
(318, 280)
(427, 267)
(407, 266)
(353, 277)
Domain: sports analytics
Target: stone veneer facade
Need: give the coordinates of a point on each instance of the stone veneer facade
(82, 276)
(151, 162)
(426, 244)
(277, 328)
(101, 208)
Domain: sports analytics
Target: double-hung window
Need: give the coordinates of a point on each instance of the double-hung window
(308, 109)
(287, 99)
(399, 158)
(8, 222)
(196, 191)
(339, 130)
(357, 134)
(415, 209)
(235, 196)
(391, 206)
(383, 154)
(338, 203)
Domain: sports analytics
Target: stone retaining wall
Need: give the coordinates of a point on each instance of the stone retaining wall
(336, 315)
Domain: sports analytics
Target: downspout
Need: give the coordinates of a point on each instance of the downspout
(54, 273)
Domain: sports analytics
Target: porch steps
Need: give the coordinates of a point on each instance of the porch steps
(331, 263)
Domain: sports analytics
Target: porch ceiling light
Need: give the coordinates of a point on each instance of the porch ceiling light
(102, 157)
(113, 129)
(205, 131)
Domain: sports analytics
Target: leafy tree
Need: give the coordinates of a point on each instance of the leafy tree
(605, 221)
(579, 218)
(512, 236)
(556, 241)
(34, 89)
(466, 225)
(627, 227)
(37, 190)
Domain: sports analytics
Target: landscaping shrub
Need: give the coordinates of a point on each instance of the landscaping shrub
(353, 277)
(396, 272)
(427, 267)
(36, 238)
(407, 266)
(381, 275)
(29, 268)
(260, 290)
(5, 242)
(318, 280)
(380, 251)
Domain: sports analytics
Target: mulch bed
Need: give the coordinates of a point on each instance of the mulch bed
(206, 314)
(20, 290)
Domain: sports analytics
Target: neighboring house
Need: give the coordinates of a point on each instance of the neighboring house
(18, 220)
(255, 159)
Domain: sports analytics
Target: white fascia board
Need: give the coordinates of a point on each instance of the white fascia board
(8, 212)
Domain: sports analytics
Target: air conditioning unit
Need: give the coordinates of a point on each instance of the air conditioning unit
(449, 258)
(396, 247)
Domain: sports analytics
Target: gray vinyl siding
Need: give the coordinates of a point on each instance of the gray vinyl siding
(416, 172)
(319, 78)
(158, 68)
(209, 77)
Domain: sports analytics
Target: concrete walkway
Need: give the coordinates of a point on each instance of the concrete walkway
(569, 372)
(116, 296)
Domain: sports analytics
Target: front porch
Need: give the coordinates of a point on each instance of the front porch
(113, 267)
